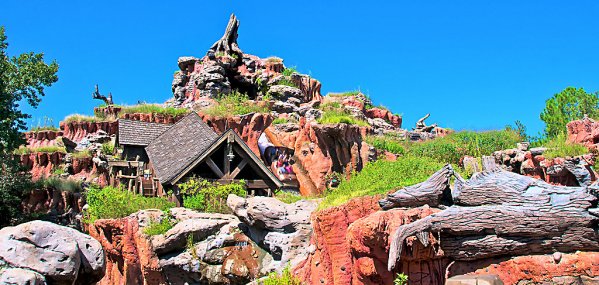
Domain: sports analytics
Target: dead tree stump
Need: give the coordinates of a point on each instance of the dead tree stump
(228, 43)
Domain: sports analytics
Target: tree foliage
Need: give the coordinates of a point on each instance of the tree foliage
(22, 80)
(570, 104)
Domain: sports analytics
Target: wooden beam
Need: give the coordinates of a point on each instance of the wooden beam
(214, 167)
(227, 163)
(238, 169)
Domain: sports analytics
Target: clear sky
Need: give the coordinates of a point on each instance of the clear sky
(471, 64)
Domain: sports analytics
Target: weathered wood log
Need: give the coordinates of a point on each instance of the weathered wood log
(499, 213)
(488, 163)
(228, 43)
(107, 99)
(433, 192)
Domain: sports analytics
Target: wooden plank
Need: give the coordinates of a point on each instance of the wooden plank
(227, 163)
(214, 167)
(124, 163)
(238, 169)
(126, 176)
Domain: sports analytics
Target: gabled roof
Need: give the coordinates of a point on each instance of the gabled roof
(139, 133)
(257, 162)
(176, 148)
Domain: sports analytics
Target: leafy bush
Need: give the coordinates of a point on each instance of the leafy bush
(113, 203)
(203, 196)
(234, 104)
(58, 171)
(400, 279)
(47, 149)
(289, 70)
(337, 117)
(153, 109)
(387, 143)
(286, 278)
(159, 228)
(560, 147)
(288, 197)
(381, 177)
(570, 104)
(108, 148)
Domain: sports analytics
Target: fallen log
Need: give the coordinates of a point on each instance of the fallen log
(499, 213)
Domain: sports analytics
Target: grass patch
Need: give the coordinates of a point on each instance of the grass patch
(286, 278)
(380, 177)
(288, 197)
(159, 228)
(81, 154)
(388, 143)
(560, 147)
(203, 196)
(273, 59)
(45, 149)
(345, 94)
(113, 203)
(287, 82)
(338, 116)
(153, 109)
(279, 121)
(234, 104)
(453, 147)
(80, 118)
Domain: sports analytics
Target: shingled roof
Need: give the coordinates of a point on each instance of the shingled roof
(176, 148)
(138, 132)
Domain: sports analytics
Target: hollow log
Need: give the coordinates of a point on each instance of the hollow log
(433, 192)
(500, 213)
(228, 43)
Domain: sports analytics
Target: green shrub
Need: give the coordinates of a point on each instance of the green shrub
(234, 104)
(159, 228)
(570, 104)
(58, 171)
(337, 117)
(560, 147)
(288, 197)
(400, 279)
(287, 82)
(279, 121)
(203, 196)
(47, 149)
(289, 70)
(153, 109)
(108, 148)
(388, 143)
(381, 177)
(113, 203)
(286, 278)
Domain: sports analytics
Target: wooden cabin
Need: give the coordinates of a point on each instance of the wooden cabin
(166, 155)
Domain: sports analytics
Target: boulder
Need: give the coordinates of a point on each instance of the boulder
(19, 276)
(283, 92)
(59, 253)
(486, 279)
(176, 237)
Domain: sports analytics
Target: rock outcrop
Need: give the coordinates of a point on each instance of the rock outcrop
(585, 131)
(249, 127)
(203, 248)
(76, 131)
(40, 252)
(60, 207)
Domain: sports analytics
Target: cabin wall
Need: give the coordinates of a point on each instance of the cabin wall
(130, 152)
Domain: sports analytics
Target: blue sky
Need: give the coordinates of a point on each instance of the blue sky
(471, 64)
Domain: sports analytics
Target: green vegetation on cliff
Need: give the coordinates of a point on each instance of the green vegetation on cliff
(234, 104)
(381, 177)
(113, 203)
(153, 109)
(560, 147)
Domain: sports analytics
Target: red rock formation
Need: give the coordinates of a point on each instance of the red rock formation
(535, 268)
(76, 131)
(309, 86)
(249, 128)
(41, 164)
(41, 138)
(321, 150)
(384, 114)
(84, 167)
(585, 131)
(331, 262)
(46, 200)
(129, 257)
